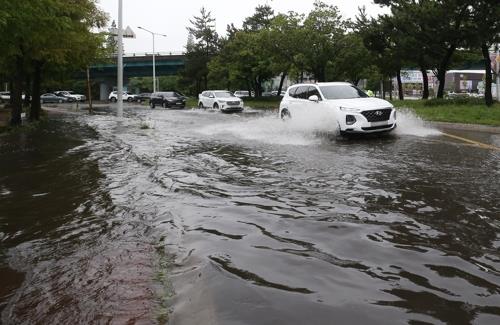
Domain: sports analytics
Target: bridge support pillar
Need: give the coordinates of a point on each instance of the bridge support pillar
(105, 90)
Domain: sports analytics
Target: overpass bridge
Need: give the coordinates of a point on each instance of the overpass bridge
(135, 65)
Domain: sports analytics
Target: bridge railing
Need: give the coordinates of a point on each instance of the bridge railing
(131, 55)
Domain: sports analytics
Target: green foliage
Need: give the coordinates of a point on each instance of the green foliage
(449, 111)
(456, 101)
(203, 44)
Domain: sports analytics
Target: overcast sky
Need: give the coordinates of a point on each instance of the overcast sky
(172, 17)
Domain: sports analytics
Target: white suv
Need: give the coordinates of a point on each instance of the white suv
(71, 95)
(349, 107)
(220, 99)
(113, 97)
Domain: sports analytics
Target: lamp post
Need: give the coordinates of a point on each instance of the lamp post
(119, 109)
(154, 58)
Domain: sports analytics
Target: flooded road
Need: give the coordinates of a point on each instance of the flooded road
(195, 217)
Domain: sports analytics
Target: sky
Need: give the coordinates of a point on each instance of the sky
(172, 17)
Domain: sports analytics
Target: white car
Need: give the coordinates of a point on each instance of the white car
(113, 97)
(242, 93)
(220, 99)
(341, 104)
(71, 94)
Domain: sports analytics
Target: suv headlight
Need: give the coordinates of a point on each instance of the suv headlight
(349, 109)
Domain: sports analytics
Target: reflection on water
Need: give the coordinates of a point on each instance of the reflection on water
(248, 220)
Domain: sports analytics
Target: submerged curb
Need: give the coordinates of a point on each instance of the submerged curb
(467, 127)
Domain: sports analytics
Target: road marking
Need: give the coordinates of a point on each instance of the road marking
(476, 143)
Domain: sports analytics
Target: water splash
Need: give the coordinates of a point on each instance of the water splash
(410, 124)
(300, 130)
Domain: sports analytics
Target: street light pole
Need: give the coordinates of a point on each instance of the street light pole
(154, 65)
(498, 72)
(119, 109)
(154, 54)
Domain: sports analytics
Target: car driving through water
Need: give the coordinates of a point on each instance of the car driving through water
(342, 103)
(220, 99)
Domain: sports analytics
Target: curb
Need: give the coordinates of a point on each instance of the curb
(466, 127)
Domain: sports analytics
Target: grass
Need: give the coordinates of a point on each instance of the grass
(454, 111)
(256, 103)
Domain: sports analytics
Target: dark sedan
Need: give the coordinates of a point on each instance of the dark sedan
(52, 98)
(170, 99)
(143, 97)
(64, 94)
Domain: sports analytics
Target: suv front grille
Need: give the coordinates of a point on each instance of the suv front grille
(233, 103)
(377, 115)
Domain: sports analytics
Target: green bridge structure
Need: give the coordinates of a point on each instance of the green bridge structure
(135, 65)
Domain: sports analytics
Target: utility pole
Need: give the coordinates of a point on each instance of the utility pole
(498, 72)
(154, 54)
(119, 109)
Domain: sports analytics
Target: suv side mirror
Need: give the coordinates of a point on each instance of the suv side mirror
(211, 96)
(314, 98)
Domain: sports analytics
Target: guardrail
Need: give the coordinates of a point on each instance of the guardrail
(131, 55)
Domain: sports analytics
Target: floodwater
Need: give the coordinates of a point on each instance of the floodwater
(195, 217)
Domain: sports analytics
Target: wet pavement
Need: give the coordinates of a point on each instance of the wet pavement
(196, 217)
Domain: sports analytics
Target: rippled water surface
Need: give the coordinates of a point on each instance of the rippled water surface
(195, 217)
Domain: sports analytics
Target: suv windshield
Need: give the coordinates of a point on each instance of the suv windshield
(223, 94)
(342, 92)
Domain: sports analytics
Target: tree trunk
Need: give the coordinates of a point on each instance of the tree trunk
(425, 85)
(27, 94)
(400, 86)
(443, 66)
(89, 91)
(488, 97)
(17, 93)
(249, 87)
(390, 88)
(282, 81)
(35, 102)
(382, 88)
(11, 86)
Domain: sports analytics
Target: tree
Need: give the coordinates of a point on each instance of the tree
(260, 20)
(354, 61)
(447, 27)
(321, 35)
(47, 36)
(486, 24)
(283, 43)
(383, 41)
(200, 50)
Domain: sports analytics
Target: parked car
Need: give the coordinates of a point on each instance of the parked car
(351, 108)
(143, 97)
(168, 99)
(275, 93)
(242, 93)
(220, 99)
(113, 97)
(71, 94)
(4, 96)
(66, 95)
(52, 98)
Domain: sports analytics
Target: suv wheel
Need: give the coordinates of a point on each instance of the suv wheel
(113, 99)
(216, 106)
(151, 104)
(200, 105)
(164, 105)
(285, 115)
(130, 99)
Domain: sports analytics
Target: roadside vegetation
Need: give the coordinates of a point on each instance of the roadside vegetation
(323, 46)
(459, 111)
(43, 41)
